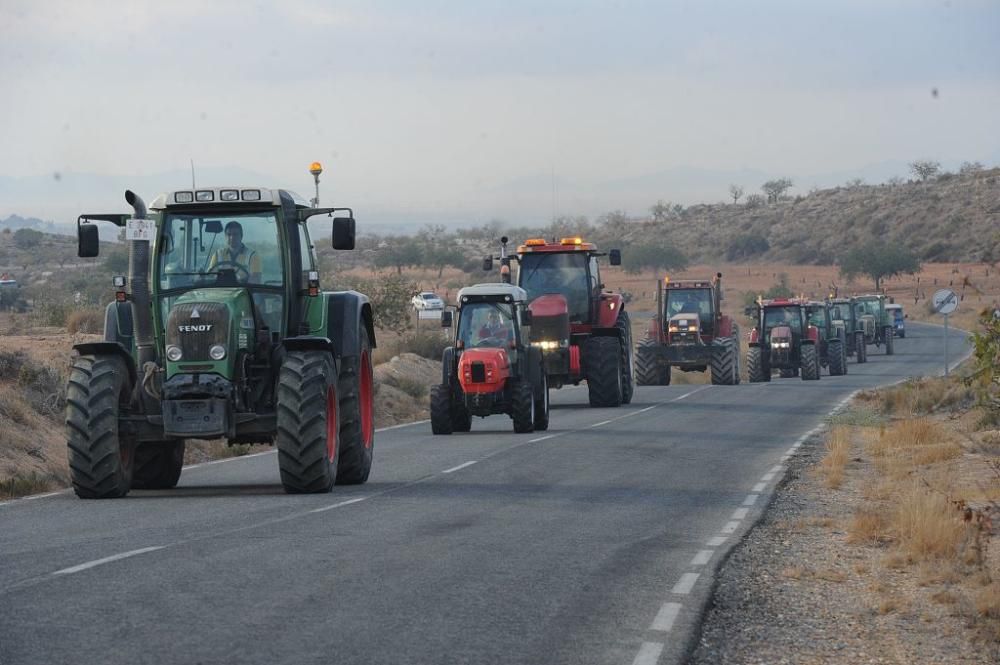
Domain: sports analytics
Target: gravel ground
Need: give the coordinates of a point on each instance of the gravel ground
(794, 591)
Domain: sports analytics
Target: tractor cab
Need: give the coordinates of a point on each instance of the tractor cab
(691, 307)
(568, 268)
(783, 339)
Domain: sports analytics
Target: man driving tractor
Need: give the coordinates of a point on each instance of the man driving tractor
(237, 256)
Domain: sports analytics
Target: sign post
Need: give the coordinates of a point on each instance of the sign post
(945, 302)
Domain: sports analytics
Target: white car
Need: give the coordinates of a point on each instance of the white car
(427, 300)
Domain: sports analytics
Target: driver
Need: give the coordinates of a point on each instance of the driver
(495, 327)
(235, 253)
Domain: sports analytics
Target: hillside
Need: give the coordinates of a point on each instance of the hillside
(954, 218)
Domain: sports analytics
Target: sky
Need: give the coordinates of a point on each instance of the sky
(461, 112)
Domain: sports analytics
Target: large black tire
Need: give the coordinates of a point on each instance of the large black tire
(441, 409)
(308, 422)
(861, 347)
(523, 407)
(757, 369)
(836, 357)
(461, 419)
(355, 388)
(810, 362)
(604, 376)
(724, 369)
(624, 326)
(889, 335)
(648, 372)
(100, 461)
(542, 406)
(158, 465)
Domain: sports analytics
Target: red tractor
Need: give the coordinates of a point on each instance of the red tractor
(491, 367)
(689, 332)
(582, 331)
(782, 339)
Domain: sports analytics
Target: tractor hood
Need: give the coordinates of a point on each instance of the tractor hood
(483, 370)
(201, 321)
(781, 334)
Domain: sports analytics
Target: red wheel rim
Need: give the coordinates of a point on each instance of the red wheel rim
(331, 423)
(365, 390)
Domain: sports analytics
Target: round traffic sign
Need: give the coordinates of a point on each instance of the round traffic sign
(945, 301)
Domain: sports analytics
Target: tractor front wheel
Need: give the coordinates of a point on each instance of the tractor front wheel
(648, 372)
(890, 336)
(542, 406)
(604, 375)
(158, 465)
(724, 368)
(355, 387)
(757, 369)
(308, 422)
(461, 419)
(837, 357)
(810, 362)
(100, 462)
(624, 326)
(441, 409)
(523, 407)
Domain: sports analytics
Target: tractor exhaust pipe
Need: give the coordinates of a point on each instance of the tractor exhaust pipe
(138, 278)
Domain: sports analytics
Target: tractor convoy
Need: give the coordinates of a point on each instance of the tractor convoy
(220, 330)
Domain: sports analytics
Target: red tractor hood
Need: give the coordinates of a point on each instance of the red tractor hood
(551, 304)
(781, 332)
(483, 370)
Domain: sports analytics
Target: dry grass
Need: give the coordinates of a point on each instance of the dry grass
(906, 444)
(924, 396)
(23, 485)
(926, 524)
(868, 526)
(838, 449)
(85, 321)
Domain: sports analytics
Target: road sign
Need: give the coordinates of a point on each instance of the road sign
(945, 301)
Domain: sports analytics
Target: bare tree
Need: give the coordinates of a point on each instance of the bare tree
(775, 189)
(754, 201)
(925, 169)
(970, 168)
(735, 191)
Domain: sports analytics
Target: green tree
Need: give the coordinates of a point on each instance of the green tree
(925, 169)
(390, 298)
(398, 252)
(28, 238)
(775, 189)
(652, 256)
(746, 245)
(878, 261)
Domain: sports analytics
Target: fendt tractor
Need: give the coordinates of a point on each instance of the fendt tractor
(782, 339)
(874, 321)
(220, 330)
(843, 318)
(491, 367)
(832, 349)
(689, 332)
(582, 331)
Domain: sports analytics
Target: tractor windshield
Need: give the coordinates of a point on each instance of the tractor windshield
(867, 307)
(690, 301)
(564, 273)
(486, 324)
(782, 316)
(196, 250)
(817, 316)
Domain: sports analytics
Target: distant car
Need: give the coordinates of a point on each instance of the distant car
(427, 300)
(898, 319)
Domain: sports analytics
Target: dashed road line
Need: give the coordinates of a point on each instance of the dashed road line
(665, 618)
(759, 487)
(730, 527)
(751, 499)
(685, 584)
(338, 505)
(702, 557)
(107, 559)
(460, 466)
(739, 513)
(716, 541)
(649, 653)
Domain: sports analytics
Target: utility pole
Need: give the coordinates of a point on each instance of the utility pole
(316, 168)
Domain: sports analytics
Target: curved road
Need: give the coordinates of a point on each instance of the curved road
(593, 542)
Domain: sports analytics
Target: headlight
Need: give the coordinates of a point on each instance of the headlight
(217, 352)
(674, 328)
(174, 353)
(780, 345)
(546, 345)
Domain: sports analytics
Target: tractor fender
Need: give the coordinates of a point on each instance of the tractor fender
(653, 330)
(347, 312)
(754, 337)
(448, 365)
(812, 334)
(725, 327)
(118, 324)
(608, 307)
(109, 349)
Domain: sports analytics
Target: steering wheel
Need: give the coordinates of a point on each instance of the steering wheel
(236, 267)
(491, 342)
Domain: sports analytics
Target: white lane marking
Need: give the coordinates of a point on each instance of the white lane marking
(665, 618)
(456, 468)
(702, 557)
(603, 422)
(337, 505)
(685, 584)
(740, 513)
(649, 653)
(31, 497)
(542, 438)
(777, 469)
(716, 541)
(415, 422)
(730, 527)
(751, 499)
(759, 487)
(107, 559)
(767, 477)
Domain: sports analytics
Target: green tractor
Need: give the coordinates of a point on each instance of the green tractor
(220, 330)
(874, 321)
(832, 349)
(844, 321)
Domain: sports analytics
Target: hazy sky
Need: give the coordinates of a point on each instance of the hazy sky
(452, 109)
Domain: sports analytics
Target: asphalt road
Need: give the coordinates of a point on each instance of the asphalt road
(593, 542)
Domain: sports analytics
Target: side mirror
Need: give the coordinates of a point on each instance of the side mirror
(343, 233)
(525, 317)
(88, 241)
(213, 226)
(615, 257)
(488, 263)
(446, 319)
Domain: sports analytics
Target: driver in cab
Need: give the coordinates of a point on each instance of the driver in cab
(496, 328)
(237, 256)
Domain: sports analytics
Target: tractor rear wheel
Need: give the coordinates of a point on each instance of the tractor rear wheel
(648, 372)
(836, 357)
(542, 406)
(757, 369)
(100, 461)
(624, 326)
(523, 407)
(441, 409)
(604, 375)
(357, 423)
(862, 349)
(724, 369)
(810, 362)
(158, 465)
(308, 422)
(889, 338)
